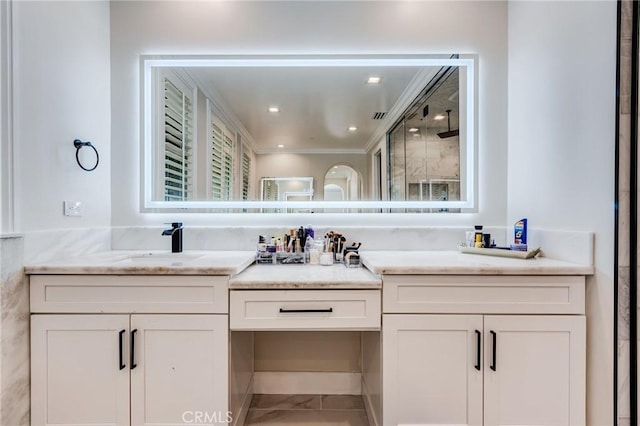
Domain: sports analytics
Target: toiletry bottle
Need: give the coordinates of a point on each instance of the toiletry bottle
(478, 236)
(520, 232)
(308, 246)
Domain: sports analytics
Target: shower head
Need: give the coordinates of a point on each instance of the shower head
(449, 133)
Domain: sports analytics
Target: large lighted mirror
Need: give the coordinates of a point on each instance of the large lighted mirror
(309, 134)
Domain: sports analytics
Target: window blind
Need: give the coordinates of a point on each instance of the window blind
(178, 144)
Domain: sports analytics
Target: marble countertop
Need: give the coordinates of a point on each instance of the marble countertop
(305, 276)
(235, 263)
(456, 263)
(149, 262)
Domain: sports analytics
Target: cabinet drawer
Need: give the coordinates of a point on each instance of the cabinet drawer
(128, 293)
(304, 310)
(484, 294)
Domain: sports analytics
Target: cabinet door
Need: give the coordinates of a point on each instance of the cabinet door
(76, 373)
(538, 374)
(180, 372)
(431, 370)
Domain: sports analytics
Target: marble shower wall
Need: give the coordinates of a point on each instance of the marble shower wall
(427, 156)
(14, 334)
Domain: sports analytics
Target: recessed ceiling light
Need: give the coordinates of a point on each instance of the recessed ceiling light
(413, 129)
(274, 109)
(280, 146)
(335, 167)
(352, 128)
(439, 117)
(374, 80)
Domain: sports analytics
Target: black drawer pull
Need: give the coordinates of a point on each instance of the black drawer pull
(302, 311)
(478, 347)
(121, 355)
(133, 351)
(493, 359)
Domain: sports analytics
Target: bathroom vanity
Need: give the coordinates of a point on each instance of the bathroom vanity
(481, 341)
(134, 338)
(446, 338)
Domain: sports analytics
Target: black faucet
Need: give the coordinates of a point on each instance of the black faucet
(176, 236)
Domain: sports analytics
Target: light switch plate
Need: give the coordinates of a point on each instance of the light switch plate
(73, 208)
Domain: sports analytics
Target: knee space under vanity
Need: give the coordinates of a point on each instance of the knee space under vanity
(324, 376)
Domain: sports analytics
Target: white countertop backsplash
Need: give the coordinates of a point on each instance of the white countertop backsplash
(570, 246)
(43, 246)
(245, 238)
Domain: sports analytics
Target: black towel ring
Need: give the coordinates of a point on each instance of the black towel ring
(79, 144)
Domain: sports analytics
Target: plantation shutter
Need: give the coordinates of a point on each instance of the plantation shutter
(222, 160)
(270, 190)
(246, 169)
(178, 144)
(228, 166)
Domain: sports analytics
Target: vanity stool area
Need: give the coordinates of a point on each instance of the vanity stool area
(444, 338)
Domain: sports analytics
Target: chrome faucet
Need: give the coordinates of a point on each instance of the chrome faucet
(176, 236)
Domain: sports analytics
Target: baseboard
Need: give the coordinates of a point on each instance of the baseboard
(368, 406)
(307, 383)
(240, 418)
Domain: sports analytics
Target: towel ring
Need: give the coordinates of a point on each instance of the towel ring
(79, 144)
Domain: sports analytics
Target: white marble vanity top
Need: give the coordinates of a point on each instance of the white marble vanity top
(149, 262)
(145, 262)
(456, 263)
(335, 276)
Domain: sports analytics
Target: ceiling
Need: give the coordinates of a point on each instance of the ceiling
(317, 105)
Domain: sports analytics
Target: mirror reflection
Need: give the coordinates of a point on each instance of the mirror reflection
(360, 131)
(341, 183)
(286, 189)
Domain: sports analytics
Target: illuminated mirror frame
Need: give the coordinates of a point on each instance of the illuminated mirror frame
(467, 182)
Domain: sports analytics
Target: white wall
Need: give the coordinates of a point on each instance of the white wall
(6, 110)
(61, 92)
(301, 165)
(309, 28)
(561, 149)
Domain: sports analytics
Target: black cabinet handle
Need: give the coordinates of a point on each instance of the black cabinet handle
(494, 344)
(297, 311)
(478, 346)
(120, 354)
(133, 351)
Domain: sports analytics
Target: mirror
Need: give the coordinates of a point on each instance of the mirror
(220, 132)
(286, 189)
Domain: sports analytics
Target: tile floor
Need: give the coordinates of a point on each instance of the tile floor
(308, 410)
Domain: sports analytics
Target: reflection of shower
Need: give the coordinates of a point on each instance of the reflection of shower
(449, 133)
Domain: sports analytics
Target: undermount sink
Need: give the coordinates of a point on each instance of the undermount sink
(161, 257)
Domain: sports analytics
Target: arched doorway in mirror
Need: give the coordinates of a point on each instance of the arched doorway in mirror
(342, 183)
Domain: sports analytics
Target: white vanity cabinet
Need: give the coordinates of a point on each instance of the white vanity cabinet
(117, 363)
(483, 350)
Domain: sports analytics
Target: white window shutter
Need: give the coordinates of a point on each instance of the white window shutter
(222, 148)
(246, 175)
(178, 144)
